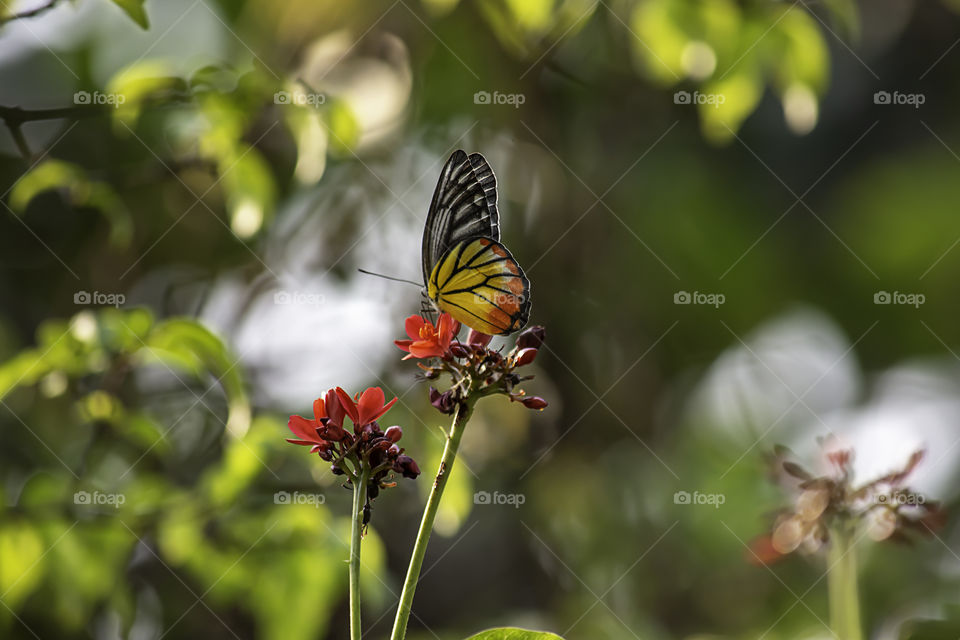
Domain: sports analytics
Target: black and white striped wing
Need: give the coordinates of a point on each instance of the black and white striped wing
(464, 207)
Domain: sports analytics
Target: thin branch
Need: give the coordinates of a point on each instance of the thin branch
(49, 4)
(15, 116)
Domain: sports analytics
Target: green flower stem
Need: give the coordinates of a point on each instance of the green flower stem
(842, 584)
(460, 419)
(356, 535)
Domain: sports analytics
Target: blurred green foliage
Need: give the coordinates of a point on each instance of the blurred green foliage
(196, 177)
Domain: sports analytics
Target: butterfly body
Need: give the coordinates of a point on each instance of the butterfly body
(467, 272)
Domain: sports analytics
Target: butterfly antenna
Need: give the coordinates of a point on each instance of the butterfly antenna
(380, 275)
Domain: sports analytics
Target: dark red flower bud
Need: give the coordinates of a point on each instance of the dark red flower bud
(534, 402)
(394, 450)
(407, 466)
(478, 340)
(332, 431)
(381, 445)
(525, 357)
(324, 450)
(394, 434)
(532, 337)
(337, 471)
(442, 401)
(458, 350)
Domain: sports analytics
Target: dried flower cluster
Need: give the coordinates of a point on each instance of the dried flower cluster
(885, 506)
(473, 366)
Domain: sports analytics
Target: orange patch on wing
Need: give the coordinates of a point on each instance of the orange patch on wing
(515, 285)
(497, 317)
(484, 242)
(512, 267)
(499, 251)
(509, 305)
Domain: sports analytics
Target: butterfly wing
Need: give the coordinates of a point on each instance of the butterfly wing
(480, 284)
(464, 207)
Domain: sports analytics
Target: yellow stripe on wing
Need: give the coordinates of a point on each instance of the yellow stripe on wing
(480, 284)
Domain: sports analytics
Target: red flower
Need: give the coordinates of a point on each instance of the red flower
(427, 341)
(308, 431)
(367, 408)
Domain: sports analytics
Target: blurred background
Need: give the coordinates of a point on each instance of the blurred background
(738, 218)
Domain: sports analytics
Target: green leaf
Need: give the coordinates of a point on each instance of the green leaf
(513, 633)
(25, 368)
(134, 9)
(135, 85)
(21, 566)
(243, 460)
(732, 99)
(343, 125)
(249, 188)
(79, 191)
(306, 125)
(188, 345)
(86, 563)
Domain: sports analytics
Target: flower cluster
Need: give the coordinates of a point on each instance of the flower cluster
(885, 506)
(474, 367)
(364, 450)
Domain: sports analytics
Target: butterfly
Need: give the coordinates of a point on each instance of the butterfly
(467, 272)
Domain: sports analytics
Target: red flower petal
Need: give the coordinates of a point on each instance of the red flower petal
(413, 325)
(403, 344)
(371, 405)
(349, 406)
(425, 349)
(302, 428)
(319, 410)
(334, 408)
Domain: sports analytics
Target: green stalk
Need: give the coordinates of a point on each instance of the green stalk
(356, 535)
(842, 584)
(460, 419)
